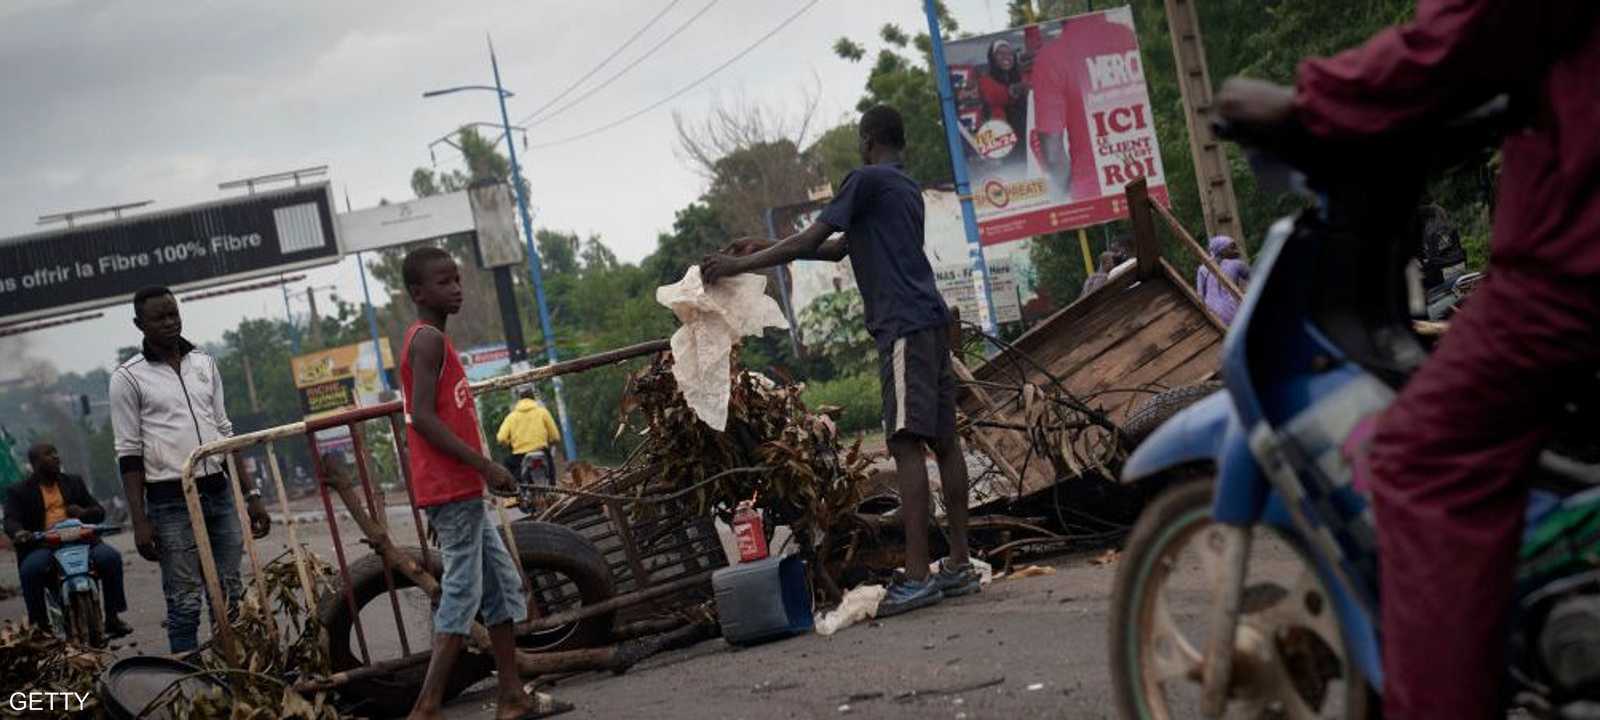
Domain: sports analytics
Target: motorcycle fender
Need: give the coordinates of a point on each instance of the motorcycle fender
(77, 584)
(1193, 435)
(1208, 430)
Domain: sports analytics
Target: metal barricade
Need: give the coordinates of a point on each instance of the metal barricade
(353, 420)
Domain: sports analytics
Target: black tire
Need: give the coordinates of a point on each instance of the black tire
(563, 551)
(1183, 508)
(394, 694)
(543, 547)
(84, 623)
(1157, 409)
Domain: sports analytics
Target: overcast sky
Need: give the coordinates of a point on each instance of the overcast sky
(105, 103)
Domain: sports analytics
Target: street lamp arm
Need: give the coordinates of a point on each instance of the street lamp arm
(459, 88)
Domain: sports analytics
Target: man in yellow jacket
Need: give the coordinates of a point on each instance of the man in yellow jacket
(529, 428)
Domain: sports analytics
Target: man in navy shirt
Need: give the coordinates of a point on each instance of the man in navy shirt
(876, 219)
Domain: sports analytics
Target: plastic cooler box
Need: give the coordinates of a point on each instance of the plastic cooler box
(763, 600)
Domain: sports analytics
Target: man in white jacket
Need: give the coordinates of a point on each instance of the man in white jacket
(166, 401)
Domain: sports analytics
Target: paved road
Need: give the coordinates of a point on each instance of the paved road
(1027, 648)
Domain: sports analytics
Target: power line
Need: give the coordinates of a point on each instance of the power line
(591, 91)
(608, 59)
(680, 91)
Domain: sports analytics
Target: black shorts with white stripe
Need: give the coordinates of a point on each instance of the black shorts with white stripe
(919, 387)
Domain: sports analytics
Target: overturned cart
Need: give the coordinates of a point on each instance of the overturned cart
(1056, 410)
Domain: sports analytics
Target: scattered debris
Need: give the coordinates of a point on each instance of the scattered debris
(1106, 558)
(1028, 572)
(845, 709)
(40, 661)
(859, 604)
(912, 695)
(1035, 687)
(863, 697)
(808, 480)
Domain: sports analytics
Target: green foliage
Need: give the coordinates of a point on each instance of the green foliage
(833, 328)
(695, 232)
(892, 34)
(857, 396)
(1058, 260)
(837, 152)
(906, 84)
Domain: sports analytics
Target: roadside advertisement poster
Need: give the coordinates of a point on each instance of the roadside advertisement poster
(1055, 119)
(486, 361)
(1012, 278)
(103, 263)
(340, 378)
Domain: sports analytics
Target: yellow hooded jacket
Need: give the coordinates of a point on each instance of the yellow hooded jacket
(528, 427)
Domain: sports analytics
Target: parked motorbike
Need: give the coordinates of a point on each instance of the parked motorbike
(1249, 586)
(73, 596)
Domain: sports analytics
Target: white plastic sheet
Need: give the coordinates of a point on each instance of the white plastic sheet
(858, 604)
(713, 318)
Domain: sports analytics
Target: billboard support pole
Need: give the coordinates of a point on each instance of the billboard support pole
(958, 164)
(567, 442)
(372, 315)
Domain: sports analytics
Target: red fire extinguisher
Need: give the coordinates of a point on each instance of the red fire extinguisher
(749, 531)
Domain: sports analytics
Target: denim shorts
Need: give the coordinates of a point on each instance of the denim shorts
(480, 576)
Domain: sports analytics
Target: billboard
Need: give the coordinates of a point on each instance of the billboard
(485, 361)
(340, 378)
(394, 224)
(184, 248)
(493, 215)
(1011, 276)
(1055, 119)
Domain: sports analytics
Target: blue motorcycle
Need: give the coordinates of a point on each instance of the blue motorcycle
(1248, 587)
(73, 597)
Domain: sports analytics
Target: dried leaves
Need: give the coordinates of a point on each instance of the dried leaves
(813, 483)
(35, 660)
(273, 654)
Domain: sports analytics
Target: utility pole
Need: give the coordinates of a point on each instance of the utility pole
(316, 323)
(1211, 171)
(250, 382)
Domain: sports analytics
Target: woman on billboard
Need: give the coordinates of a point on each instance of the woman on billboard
(1004, 91)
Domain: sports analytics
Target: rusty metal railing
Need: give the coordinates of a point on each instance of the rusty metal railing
(394, 412)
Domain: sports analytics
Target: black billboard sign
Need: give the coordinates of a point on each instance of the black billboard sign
(184, 248)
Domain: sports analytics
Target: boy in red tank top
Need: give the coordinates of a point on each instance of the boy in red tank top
(448, 471)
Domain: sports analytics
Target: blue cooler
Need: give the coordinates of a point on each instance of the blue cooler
(763, 600)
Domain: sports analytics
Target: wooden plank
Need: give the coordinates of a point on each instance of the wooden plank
(1046, 331)
(1135, 351)
(1146, 247)
(1182, 361)
(1193, 297)
(1091, 346)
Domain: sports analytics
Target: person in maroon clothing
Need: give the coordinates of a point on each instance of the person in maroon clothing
(1450, 457)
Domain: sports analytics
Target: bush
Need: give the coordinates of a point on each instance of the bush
(857, 395)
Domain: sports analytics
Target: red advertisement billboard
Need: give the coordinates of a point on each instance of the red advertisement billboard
(1055, 119)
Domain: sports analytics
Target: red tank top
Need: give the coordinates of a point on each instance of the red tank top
(438, 477)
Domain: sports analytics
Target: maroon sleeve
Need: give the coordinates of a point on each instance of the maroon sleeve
(1454, 55)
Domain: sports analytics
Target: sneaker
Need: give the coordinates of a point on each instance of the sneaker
(905, 594)
(957, 580)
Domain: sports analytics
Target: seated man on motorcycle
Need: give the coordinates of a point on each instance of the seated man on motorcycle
(1450, 460)
(47, 497)
(529, 428)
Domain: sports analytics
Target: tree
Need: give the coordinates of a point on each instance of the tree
(695, 232)
(906, 83)
(751, 156)
(837, 152)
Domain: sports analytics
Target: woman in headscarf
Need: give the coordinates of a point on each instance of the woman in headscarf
(1005, 95)
(1216, 296)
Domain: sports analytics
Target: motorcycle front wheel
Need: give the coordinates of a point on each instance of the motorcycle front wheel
(1289, 660)
(84, 623)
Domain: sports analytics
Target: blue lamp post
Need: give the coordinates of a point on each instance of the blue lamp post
(533, 252)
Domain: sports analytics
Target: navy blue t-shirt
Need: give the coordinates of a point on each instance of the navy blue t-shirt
(879, 208)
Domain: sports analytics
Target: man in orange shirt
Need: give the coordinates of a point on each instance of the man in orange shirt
(46, 498)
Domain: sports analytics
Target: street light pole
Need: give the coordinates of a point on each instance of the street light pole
(568, 444)
(533, 262)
